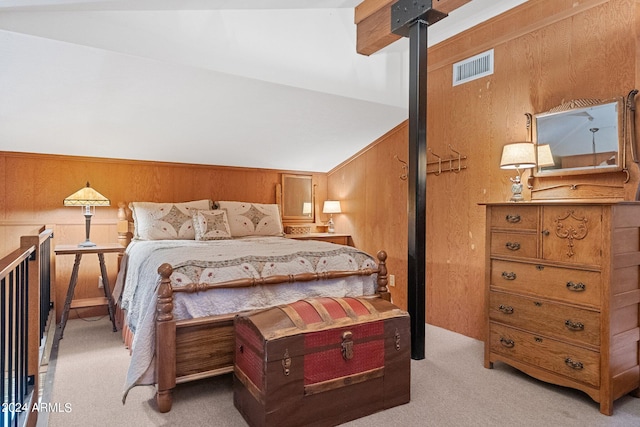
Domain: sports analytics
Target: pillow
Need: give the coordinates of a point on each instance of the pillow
(211, 225)
(252, 219)
(166, 221)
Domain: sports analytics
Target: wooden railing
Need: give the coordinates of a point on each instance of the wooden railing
(24, 276)
(44, 278)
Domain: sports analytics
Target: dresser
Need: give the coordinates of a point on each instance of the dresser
(563, 294)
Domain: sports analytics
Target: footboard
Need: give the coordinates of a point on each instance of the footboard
(198, 348)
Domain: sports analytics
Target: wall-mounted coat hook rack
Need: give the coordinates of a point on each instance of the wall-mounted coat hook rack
(439, 163)
(403, 175)
(454, 162)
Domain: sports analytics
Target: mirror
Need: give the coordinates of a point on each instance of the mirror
(297, 198)
(580, 137)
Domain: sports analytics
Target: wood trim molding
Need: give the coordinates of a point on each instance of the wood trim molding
(514, 23)
(372, 18)
(134, 162)
(383, 138)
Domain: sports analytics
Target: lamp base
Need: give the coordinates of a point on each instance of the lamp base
(516, 190)
(331, 228)
(87, 228)
(86, 244)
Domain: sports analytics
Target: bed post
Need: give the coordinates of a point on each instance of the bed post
(124, 233)
(165, 341)
(382, 281)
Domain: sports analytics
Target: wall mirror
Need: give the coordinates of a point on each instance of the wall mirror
(297, 198)
(580, 137)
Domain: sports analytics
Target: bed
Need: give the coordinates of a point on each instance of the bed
(192, 266)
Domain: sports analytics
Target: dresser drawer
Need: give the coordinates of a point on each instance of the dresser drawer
(565, 359)
(563, 322)
(516, 217)
(557, 283)
(513, 244)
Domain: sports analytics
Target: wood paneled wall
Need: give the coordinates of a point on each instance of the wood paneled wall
(373, 198)
(34, 186)
(546, 52)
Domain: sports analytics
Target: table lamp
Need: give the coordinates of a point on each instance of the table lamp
(87, 198)
(331, 207)
(518, 155)
(545, 158)
(306, 209)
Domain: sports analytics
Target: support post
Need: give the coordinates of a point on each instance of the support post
(417, 200)
(410, 18)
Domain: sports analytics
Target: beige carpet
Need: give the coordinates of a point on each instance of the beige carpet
(449, 388)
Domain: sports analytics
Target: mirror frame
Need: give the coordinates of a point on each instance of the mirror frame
(577, 105)
(287, 193)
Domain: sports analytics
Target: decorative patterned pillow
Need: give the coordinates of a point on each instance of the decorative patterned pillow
(252, 219)
(211, 225)
(166, 221)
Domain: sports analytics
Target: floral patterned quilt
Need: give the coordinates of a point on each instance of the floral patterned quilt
(222, 260)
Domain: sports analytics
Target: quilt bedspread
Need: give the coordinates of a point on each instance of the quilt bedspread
(223, 260)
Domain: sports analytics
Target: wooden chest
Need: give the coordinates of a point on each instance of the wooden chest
(321, 361)
(563, 294)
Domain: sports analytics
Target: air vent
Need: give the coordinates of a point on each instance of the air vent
(473, 68)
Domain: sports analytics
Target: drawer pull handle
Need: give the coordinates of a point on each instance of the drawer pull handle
(545, 232)
(539, 267)
(506, 309)
(513, 219)
(573, 365)
(574, 326)
(507, 342)
(576, 287)
(513, 246)
(508, 275)
(537, 339)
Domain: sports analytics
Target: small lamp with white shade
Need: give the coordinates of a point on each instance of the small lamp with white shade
(544, 160)
(518, 155)
(545, 157)
(306, 209)
(330, 207)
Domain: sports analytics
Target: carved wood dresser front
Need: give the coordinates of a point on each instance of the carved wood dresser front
(563, 295)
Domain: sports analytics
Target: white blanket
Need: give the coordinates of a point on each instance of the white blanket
(222, 260)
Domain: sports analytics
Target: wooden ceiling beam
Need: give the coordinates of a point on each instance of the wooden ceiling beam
(373, 22)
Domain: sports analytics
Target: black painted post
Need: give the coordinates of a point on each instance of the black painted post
(417, 200)
(410, 18)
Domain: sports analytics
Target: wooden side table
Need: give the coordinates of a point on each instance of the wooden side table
(340, 239)
(107, 300)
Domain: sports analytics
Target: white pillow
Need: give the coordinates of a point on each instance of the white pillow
(252, 219)
(166, 221)
(211, 225)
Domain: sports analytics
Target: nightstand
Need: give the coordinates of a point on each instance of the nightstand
(340, 239)
(107, 300)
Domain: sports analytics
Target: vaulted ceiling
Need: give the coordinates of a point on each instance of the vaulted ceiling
(253, 83)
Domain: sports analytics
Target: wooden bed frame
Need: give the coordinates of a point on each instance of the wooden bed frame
(192, 349)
